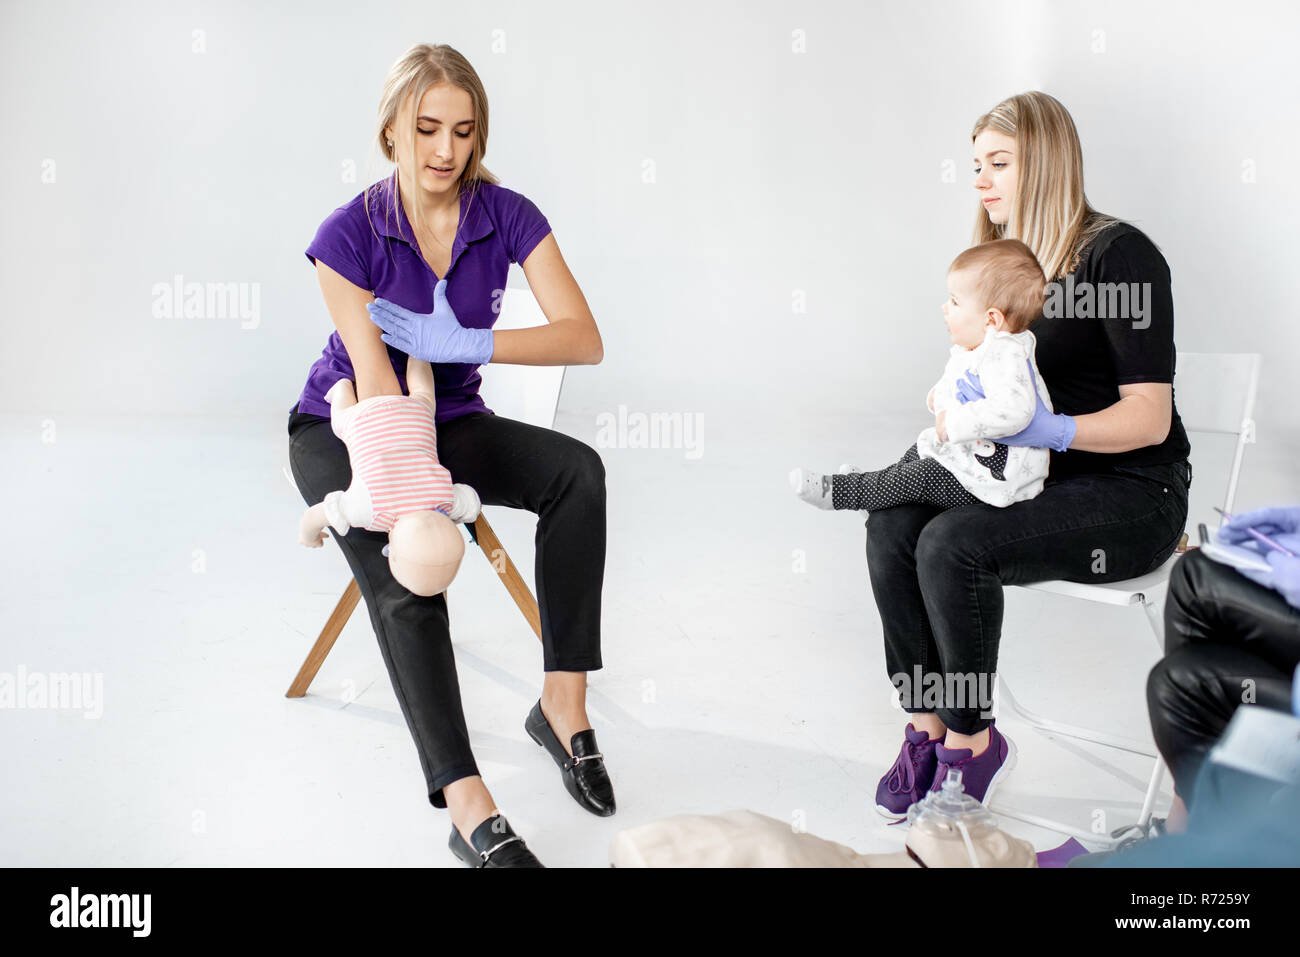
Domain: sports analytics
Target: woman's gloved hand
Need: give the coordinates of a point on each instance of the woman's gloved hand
(1273, 521)
(1045, 430)
(434, 337)
(1282, 524)
(970, 389)
(1283, 575)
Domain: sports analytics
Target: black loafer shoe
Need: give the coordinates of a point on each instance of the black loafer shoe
(584, 775)
(495, 845)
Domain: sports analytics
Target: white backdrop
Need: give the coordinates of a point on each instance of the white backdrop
(775, 286)
(800, 153)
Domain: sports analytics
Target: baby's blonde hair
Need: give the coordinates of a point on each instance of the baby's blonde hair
(1007, 277)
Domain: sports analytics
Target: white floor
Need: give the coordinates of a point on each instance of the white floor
(164, 558)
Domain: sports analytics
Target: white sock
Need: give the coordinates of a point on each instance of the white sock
(813, 487)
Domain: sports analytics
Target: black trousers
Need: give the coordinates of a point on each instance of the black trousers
(937, 575)
(1228, 642)
(508, 463)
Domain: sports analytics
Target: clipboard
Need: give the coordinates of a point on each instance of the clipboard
(1242, 559)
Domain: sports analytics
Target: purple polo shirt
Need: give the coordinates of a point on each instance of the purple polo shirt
(378, 253)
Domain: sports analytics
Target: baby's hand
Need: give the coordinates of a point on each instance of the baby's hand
(311, 532)
(939, 426)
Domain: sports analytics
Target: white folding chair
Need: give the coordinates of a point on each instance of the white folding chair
(526, 393)
(1215, 395)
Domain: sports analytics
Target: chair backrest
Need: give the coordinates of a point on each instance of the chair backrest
(527, 393)
(1215, 395)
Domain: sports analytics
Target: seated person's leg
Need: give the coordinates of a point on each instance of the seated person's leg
(1191, 696)
(1212, 602)
(1228, 641)
(910, 480)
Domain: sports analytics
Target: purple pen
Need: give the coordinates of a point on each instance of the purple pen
(1259, 536)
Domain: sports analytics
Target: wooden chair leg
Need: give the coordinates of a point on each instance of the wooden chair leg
(316, 657)
(510, 577)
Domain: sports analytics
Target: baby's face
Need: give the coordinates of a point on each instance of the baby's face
(966, 317)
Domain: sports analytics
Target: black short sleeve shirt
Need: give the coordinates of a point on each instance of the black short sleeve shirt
(1109, 323)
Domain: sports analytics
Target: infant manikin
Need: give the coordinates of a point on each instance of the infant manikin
(398, 486)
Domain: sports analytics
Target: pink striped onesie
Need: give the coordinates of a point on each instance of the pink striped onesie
(393, 446)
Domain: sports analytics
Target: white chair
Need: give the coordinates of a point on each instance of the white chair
(1215, 395)
(527, 393)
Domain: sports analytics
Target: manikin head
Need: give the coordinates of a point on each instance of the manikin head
(424, 551)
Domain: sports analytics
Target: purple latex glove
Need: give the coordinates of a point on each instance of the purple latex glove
(1283, 575)
(434, 337)
(970, 388)
(1271, 521)
(1282, 524)
(1045, 429)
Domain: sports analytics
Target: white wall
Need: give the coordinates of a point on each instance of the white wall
(775, 171)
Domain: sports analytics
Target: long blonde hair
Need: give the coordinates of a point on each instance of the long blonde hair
(1050, 214)
(419, 68)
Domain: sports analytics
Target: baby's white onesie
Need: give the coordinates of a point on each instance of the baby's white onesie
(1002, 362)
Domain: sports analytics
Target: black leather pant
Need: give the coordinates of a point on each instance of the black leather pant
(938, 575)
(1228, 641)
(507, 463)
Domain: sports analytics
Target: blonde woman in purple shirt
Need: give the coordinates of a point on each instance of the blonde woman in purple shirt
(415, 265)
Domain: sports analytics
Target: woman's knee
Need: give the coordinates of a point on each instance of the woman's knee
(581, 471)
(893, 532)
(944, 545)
(590, 466)
(1165, 689)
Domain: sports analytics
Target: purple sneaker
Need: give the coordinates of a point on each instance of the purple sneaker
(908, 780)
(980, 775)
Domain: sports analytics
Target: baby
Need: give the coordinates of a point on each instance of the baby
(995, 290)
(397, 484)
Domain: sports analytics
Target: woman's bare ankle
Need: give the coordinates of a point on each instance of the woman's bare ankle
(977, 742)
(564, 704)
(469, 803)
(930, 724)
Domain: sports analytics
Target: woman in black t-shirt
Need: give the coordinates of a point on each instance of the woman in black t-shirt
(1115, 501)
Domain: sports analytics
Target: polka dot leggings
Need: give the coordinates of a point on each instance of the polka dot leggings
(910, 479)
